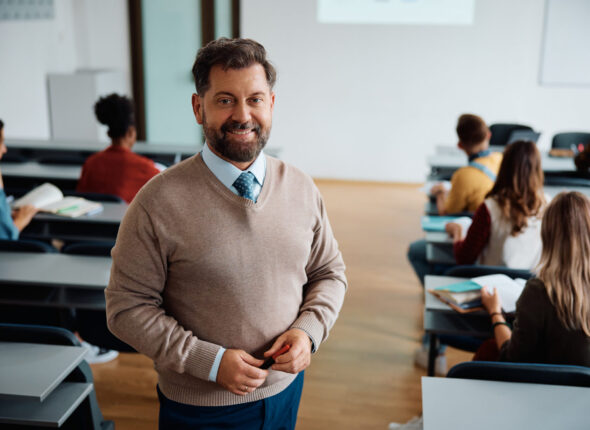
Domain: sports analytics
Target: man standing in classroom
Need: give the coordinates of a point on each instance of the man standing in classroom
(224, 259)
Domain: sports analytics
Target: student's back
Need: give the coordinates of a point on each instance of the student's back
(116, 170)
(506, 228)
(470, 184)
(552, 323)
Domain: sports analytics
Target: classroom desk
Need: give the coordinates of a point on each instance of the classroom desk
(439, 248)
(31, 174)
(440, 319)
(450, 403)
(101, 226)
(33, 149)
(31, 387)
(443, 165)
(167, 154)
(54, 280)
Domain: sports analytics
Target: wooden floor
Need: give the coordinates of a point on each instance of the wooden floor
(363, 376)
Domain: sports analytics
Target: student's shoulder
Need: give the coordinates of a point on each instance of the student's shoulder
(535, 291)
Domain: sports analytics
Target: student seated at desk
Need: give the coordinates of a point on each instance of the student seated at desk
(469, 184)
(116, 170)
(506, 228)
(11, 223)
(552, 323)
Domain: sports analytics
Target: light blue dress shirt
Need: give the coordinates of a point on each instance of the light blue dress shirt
(227, 174)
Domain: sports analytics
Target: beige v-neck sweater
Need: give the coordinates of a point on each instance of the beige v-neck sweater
(196, 267)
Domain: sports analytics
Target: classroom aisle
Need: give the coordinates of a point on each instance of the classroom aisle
(363, 376)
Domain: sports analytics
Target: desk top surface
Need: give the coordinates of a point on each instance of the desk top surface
(33, 371)
(54, 270)
(94, 146)
(112, 213)
(456, 159)
(450, 403)
(33, 169)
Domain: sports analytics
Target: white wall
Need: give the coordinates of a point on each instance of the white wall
(82, 34)
(370, 102)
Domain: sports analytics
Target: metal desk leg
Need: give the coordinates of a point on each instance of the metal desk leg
(433, 346)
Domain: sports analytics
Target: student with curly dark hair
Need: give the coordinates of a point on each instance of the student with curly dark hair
(116, 170)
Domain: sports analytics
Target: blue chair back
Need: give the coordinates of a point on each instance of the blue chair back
(25, 245)
(550, 374)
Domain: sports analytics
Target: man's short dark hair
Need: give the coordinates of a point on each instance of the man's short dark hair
(471, 129)
(1, 124)
(230, 54)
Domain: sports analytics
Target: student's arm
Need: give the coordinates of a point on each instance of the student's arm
(525, 343)
(491, 302)
(23, 216)
(466, 251)
(7, 228)
(441, 199)
(454, 201)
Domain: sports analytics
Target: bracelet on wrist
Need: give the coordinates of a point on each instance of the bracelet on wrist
(496, 313)
(497, 323)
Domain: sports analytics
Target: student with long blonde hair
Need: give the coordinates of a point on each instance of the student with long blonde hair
(506, 227)
(552, 323)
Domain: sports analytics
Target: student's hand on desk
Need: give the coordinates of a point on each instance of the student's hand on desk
(299, 355)
(491, 301)
(454, 230)
(23, 216)
(239, 373)
(437, 189)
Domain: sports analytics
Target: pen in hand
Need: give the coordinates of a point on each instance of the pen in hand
(271, 360)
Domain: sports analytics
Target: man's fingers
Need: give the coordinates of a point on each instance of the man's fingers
(275, 347)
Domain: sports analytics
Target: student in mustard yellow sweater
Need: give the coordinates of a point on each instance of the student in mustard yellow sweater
(469, 184)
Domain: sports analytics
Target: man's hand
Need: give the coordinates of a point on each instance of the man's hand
(454, 230)
(298, 357)
(239, 373)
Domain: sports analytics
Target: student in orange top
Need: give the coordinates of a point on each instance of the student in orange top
(116, 170)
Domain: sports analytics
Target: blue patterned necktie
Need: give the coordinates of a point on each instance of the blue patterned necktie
(245, 185)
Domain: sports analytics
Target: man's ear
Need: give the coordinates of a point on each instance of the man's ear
(460, 145)
(197, 103)
(272, 101)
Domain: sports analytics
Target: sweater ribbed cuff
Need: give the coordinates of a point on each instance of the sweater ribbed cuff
(310, 325)
(200, 359)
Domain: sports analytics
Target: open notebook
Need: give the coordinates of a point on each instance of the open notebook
(49, 198)
(465, 296)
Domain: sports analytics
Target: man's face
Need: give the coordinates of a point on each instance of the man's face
(236, 112)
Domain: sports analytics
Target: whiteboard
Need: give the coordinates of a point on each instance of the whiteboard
(565, 59)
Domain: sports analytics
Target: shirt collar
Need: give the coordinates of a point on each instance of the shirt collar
(227, 173)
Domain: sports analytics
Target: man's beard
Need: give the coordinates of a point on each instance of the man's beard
(238, 152)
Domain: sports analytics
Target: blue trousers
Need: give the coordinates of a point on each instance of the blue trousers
(278, 412)
(417, 257)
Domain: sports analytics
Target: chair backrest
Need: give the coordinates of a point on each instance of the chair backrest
(25, 245)
(97, 197)
(89, 248)
(37, 334)
(472, 271)
(551, 374)
(566, 140)
(501, 132)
